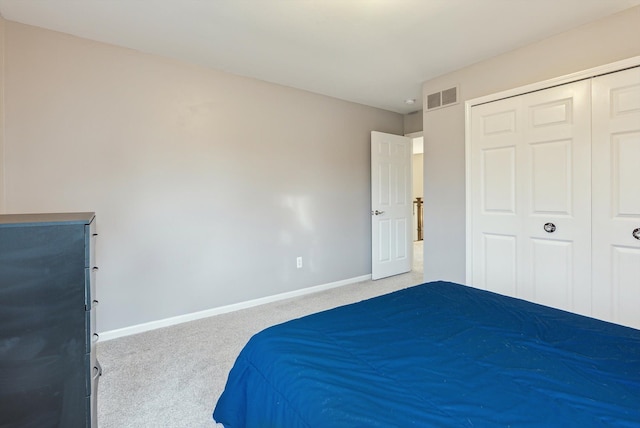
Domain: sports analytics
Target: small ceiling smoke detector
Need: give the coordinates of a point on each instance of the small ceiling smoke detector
(410, 101)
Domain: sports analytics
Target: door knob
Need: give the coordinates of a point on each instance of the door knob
(376, 212)
(549, 227)
(636, 233)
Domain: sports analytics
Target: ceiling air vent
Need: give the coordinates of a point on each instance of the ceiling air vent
(443, 98)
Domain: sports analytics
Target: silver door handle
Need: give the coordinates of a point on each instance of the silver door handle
(636, 233)
(376, 212)
(549, 227)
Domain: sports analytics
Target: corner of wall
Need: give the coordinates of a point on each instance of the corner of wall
(412, 122)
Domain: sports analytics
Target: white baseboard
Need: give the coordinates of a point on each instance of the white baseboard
(141, 328)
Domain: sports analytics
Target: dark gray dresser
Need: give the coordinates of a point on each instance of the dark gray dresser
(48, 367)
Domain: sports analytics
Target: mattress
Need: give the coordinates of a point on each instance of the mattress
(438, 354)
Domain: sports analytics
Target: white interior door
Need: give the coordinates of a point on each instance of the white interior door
(391, 205)
(616, 197)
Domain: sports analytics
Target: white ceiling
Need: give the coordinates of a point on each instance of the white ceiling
(373, 52)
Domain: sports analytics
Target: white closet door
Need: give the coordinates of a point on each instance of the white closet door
(530, 166)
(616, 197)
(497, 224)
(556, 197)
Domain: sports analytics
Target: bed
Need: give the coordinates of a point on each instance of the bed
(438, 354)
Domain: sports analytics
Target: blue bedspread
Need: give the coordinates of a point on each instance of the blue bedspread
(436, 355)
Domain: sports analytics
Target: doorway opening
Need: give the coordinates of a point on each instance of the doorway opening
(418, 200)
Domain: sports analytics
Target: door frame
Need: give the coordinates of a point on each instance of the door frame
(413, 136)
(545, 84)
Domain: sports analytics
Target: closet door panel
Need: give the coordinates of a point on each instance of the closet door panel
(625, 292)
(625, 148)
(552, 287)
(616, 197)
(556, 198)
(496, 221)
(497, 175)
(551, 178)
(499, 268)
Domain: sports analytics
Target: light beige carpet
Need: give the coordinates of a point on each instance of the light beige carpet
(172, 377)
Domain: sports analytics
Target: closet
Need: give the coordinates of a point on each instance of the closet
(553, 195)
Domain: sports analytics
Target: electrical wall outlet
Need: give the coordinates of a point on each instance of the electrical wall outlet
(299, 262)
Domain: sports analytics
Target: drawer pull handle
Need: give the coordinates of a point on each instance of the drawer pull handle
(95, 268)
(96, 337)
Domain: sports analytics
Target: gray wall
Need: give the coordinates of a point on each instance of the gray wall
(413, 122)
(611, 39)
(207, 186)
